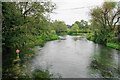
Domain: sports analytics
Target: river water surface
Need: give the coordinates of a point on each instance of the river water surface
(77, 57)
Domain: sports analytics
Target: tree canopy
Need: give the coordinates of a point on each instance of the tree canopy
(75, 27)
(105, 17)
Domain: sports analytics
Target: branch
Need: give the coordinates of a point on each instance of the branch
(103, 21)
(108, 22)
(116, 23)
(27, 10)
(114, 17)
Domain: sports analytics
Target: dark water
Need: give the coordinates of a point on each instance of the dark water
(77, 57)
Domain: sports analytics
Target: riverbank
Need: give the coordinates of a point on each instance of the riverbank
(91, 37)
(111, 44)
(106, 39)
(17, 67)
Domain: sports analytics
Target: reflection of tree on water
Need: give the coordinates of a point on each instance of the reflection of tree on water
(103, 63)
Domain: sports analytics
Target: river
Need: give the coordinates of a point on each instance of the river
(77, 57)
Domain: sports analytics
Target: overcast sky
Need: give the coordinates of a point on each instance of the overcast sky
(70, 11)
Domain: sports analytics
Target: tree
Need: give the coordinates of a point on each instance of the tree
(59, 26)
(82, 24)
(104, 17)
(75, 27)
(69, 26)
(22, 21)
(36, 8)
(24, 26)
(103, 21)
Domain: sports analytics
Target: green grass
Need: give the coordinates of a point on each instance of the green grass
(62, 33)
(73, 34)
(113, 45)
(39, 41)
(83, 34)
(55, 37)
(41, 74)
(89, 37)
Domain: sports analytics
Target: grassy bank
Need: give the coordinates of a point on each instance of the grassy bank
(110, 42)
(77, 34)
(73, 33)
(90, 37)
(113, 45)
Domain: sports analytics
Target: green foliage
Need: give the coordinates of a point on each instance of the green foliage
(84, 31)
(103, 23)
(109, 5)
(53, 31)
(113, 45)
(82, 24)
(55, 37)
(70, 32)
(59, 26)
(75, 27)
(62, 33)
(80, 27)
(49, 36)
(24, 27)
(112, 38)
(83, 34)
(90, 37)
(73, 34)
(38, 74)
(69, 26)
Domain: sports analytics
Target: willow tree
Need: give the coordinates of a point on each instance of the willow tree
(105, 17)
(104, 20)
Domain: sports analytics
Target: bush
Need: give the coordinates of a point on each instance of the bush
(83, 34)
(53, 31)
(62, 33)
(113, 45)
(70, 32)
(113, 40)
(83, 31)
(29, 44)
(92, 38)
(74, 34)
(38, 74)
(55, 37)
(89, 36)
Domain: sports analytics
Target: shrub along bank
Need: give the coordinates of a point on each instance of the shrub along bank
(107, 40)
(17, 68)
